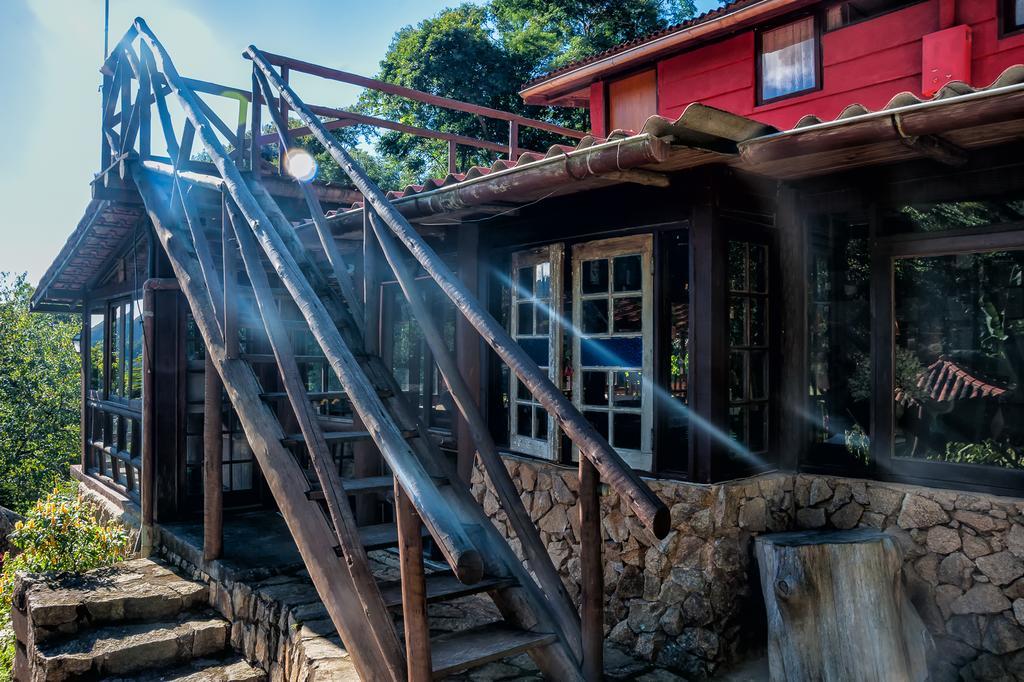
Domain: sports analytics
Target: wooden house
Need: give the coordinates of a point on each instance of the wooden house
(778, 285)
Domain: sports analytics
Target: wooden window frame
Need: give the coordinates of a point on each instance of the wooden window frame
(824, 14)
(886, 251)
(554, 254)
(642, 244)
(817, 21)
(1008, 25)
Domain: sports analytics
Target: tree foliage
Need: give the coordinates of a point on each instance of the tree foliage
(484, 55)
(39, 396)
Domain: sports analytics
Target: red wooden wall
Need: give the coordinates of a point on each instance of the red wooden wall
(865, 63)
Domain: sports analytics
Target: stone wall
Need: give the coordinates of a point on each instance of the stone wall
(691, 602)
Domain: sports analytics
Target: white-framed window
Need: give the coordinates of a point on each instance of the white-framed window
(613, 342)
(535, 324)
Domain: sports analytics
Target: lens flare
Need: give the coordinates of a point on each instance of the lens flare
(301, 165)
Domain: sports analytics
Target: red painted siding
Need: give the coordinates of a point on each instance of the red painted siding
(865, 63)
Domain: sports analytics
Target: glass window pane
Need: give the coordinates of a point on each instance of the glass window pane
(627, 431)
(524, 420)
(628, 315)
(758, 268)
(594, 276)
(955, 215)
(738, 321)
(540, 423)
(757, 428)
(758, 375)
(543, 281)
(626, 390)
(737, 267)
(522, 392)
(595, 316)
(595, 388)
(959, 329)
(525, 321)
(628, 273)
(788, 59)
(1018, 13)
(737, 373)
(758, 321)
(116, 340)
(599, 420)
(136, 364)
(738, 424)
(525, 282)
(96, 330)
(543, 324)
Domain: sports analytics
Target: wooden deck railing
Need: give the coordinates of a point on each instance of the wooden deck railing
(113, 440)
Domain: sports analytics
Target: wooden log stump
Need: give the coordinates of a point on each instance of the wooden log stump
(837, 608)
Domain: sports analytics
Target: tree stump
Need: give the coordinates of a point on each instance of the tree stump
(837, 608)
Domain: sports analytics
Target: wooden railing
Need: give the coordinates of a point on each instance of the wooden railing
(113, 440)
(130, 91)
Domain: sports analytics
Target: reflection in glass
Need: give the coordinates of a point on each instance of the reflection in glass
(627, 273)
(594, 276)
(525, 312)
(595, 316)
(626, 389)
(96, 324)
(959, 358)
(627, 430)
(738, 321)
(525, 282)
(628, 315)
(595, 387)
(543, 288)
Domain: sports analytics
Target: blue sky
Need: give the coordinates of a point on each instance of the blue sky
(51, 51)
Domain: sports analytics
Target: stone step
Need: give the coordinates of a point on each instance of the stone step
(137, 590)
(118, 650)
(202, 670)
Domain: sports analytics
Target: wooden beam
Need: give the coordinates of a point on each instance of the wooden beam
(592, 572)
(641, 499)
(793, 274)
(213, 461)
(467, 347)
(414, 590)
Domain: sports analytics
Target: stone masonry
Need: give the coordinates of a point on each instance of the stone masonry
(691, 602)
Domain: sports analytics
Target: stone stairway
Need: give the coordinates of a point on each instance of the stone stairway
(138, 620)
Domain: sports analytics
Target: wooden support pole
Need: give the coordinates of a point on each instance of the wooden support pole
(366, 457)
(453, 159)
(255, 128)
(641, 499)
(793, 269)
(467, 346)
(513, 141)
(229, 264)
(85, 351)
(213, 459)
(148, 478)
(414, 590)
(592, 572)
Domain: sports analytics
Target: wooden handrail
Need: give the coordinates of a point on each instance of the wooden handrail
(416, 95)
(642, 500)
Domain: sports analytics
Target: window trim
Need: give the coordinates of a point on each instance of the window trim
(759, 32)
(883, 347)
(824, 14)
(1008, 26)
(643, 244)
(555, 255)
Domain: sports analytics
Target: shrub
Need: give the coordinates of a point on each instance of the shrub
(60, 534)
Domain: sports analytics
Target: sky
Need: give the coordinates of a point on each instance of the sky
(51, 51)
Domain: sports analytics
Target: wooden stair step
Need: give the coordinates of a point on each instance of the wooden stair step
(455, 651)
(312, 395)
(379, 536)
(360, 486)
(341, 436)
(443, 586)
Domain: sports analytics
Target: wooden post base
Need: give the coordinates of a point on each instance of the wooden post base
(837, 608)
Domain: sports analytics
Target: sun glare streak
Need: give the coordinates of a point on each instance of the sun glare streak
(301, 165)
(661, 395)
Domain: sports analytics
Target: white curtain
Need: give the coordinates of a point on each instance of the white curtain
(788, 59)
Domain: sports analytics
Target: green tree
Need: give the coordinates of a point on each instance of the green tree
(39, 396)
(484, 55)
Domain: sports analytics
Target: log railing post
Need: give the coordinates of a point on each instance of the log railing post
(85, 350)
(453, 159)
(592, 572)
(513, 141)
(414, 589)
(255, 124)
(213, 458)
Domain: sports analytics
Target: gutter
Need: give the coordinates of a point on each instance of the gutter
(544, 92)
(511, 184)
(902, 122)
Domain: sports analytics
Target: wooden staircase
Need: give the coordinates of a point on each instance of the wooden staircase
(300, 468)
